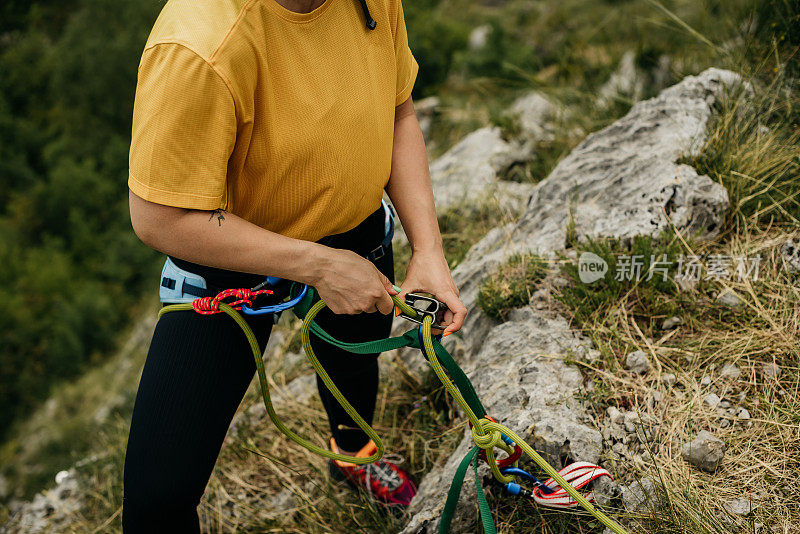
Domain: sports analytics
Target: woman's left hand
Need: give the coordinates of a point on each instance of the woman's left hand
(428, 272)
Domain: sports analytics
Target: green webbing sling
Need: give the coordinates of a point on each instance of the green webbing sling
(485, 432)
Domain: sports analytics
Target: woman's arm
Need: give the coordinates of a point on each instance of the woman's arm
(345, 281)
(411, 192)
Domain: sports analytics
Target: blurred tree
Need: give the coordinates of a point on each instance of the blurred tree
(70, 267)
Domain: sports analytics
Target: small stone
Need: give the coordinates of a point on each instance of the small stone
(479, 37)
(739, 506)
(724, 404)
(743, 414)
(671, 323)
(730, 371)
(704, 452)
(705, 381)
(62, 476)
(605, 491)
(632, 421)
(668, 379)
(790, 253)
(771, 370)
(730, 299)
(657, 397)
(712, 400)
(637, 362)
(641, 495)
(620, 449)
(614, 414)
(724, 423)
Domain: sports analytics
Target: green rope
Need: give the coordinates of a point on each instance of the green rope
(262, 379)
(486, 434)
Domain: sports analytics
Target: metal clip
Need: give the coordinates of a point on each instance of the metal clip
(426, 306)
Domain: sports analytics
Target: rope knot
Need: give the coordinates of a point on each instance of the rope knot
(210, 305)
(484, 438)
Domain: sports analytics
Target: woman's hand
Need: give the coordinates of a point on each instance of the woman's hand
(428, 272)
(349, 284)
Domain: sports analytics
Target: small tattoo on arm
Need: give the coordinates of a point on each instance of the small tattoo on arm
(219, 214)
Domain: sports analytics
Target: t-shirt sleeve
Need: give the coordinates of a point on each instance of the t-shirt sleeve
(407, 67)
(184, 130)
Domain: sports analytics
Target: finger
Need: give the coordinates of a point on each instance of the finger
(459, 313)
(385, 304)
(387, 285)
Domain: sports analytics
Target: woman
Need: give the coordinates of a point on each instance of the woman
(264, 135)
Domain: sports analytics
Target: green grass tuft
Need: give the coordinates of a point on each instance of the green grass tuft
(512, 285)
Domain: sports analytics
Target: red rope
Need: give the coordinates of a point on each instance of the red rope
(210, 305)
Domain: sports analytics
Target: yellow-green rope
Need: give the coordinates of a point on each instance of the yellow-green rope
(262, 379)
(485, 433)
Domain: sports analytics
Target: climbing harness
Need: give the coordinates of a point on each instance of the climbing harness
(560, 490)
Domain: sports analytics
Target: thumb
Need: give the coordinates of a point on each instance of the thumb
(389, 286)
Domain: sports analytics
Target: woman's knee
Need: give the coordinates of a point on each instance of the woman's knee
(150, 505)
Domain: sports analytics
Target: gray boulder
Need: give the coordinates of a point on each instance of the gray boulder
(468, 175)
(521, 378)
(622, 181)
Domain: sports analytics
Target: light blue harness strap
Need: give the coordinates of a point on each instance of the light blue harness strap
(175, 281)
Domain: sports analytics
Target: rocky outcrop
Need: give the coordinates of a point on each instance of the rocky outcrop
(522, 379)
(470, 173)
(620, 182)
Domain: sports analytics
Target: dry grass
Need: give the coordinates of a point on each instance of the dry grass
(258, 463)
(761, 462)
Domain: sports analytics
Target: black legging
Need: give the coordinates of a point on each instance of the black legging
(197, 371)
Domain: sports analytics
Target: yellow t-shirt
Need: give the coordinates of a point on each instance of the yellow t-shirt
(284, 119)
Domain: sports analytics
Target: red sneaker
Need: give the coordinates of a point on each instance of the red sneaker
(383, 480)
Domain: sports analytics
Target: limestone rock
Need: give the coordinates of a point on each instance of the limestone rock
(704, 452)
(620, 182)
(479, 36)
(520, 374)
(712, 400)
(624, 83)
(771, 370)
(637, 362)
(50, 510)
(671, 322)
(730, 299)
(535, 114)
(730, 371)
(739, 506)
(790, 254)
(639, 496)
(469, 173)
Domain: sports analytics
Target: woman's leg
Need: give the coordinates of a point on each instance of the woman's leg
(356, 375)
(197, 371)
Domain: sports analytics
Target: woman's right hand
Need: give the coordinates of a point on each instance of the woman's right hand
(350, 284)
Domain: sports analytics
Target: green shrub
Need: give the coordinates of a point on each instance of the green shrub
(512, 285)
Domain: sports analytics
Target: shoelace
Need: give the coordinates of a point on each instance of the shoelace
(382, 475)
